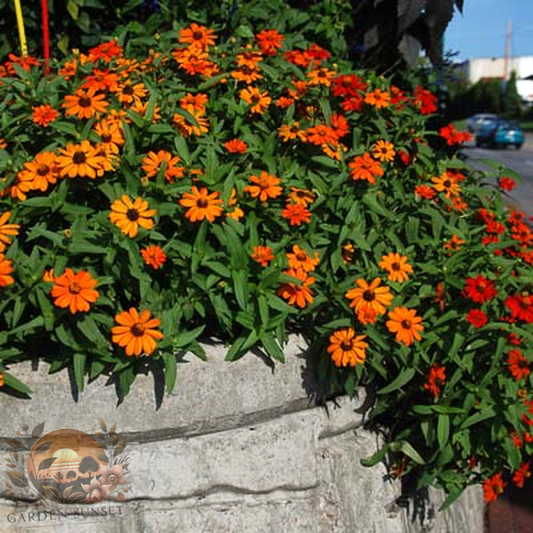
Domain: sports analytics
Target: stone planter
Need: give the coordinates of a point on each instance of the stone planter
(237, 447)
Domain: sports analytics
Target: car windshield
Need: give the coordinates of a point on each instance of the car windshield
(509, 126)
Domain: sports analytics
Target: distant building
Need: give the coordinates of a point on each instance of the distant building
(482, 68)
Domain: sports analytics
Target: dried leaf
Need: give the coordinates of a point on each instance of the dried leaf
(102, 425)
(43, 447)
(7, 484)
(98, 435)
(16, 456)
(46, 463)
(18, 478)
(77, 497)
(101, 456)
(11, 465)
(115, 438)
(15, 444)
(37, 430)
(66, 492)
(113, 428)
(52, 494)
(120, 446)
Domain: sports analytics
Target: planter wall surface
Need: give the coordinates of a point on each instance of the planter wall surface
(236, 447)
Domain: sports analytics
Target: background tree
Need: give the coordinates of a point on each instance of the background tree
(512, 105)
(58, 477)
(71, 474)
(88, 465)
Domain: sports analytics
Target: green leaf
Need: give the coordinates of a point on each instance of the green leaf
(272, 347)
(171, 367)
(15, 384)
(484, 414)
(240, 286)
(403, 378)
(443, 430)
(78, 362)
(376, 458)
(408, 450)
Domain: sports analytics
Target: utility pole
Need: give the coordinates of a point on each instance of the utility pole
(508, 33)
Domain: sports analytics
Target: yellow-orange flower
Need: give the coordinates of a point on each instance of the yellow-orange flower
(446, 183)
(262, 255)
(287, 132)
(129, 215)
(74, 290)
(201, 204)
(6, 269)
(153, 162)
(383, 151)
(397, 267)
(80, 160)
(300, 260)
(264, 186)
(346, 348)
(197, 36)
(405, 324)
(378, 98)
(41, 172)
(297, 294)
(85, 104)
(6, 230)
(257, 100)
(303, 197)
(128, 93)
(136, 332)
(372, 296)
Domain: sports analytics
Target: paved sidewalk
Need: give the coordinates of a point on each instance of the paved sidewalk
(513, 512)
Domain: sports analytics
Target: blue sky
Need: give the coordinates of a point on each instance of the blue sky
(480, 30)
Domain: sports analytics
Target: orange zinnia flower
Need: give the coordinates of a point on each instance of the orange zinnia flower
(236, 146)
(493, 487)
(300, 260)
(80, 160)
(154, 256)
(287, 132)
(365, 168)
(43, 115)
(136, 333)
(296, 214)
(197, 36)
(2, 381)
(346, 348)
(201, 204)
(84, 104)
(454, 244)
(74, 290)
(6, 230)
(436, 379)
(297, 294)
(383, 151)
(321, 76)
(405, 324)
(378, 98)
(265, 186)
(194, 103)
(446, 183)
(111, 136)
(369, 296)
(41, 172)
(270, 41)
(257, 100)
(303, 197)
(397, 267)
(5, 270)
(128, 93)
(187, 129)
(129, 215)
(262, 255)
(153, 162)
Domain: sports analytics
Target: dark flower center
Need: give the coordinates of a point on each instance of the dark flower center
(137, 329)
(43, 170)
(112, 478)
(302, 256)
(106, 137)
(202, 203)
(133, 215)
(74, 288)
(127, 90)
(406, 324)
(447, 184)
(346, 345)
(79, 157)
(369, 295)
(197, 36)
(395, 266)
(84, 101)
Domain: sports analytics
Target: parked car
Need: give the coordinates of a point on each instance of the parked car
(501, 133)
(481, 120)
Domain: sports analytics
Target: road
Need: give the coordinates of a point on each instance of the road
(521, 161)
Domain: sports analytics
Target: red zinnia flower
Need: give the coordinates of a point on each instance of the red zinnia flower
(154, 256)
(296, 214)
(519, 477)
(436, 379)
(521, 307)
(507, 184)
(479, 289)
(518, 364)
(477, 318)
(493, 487)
